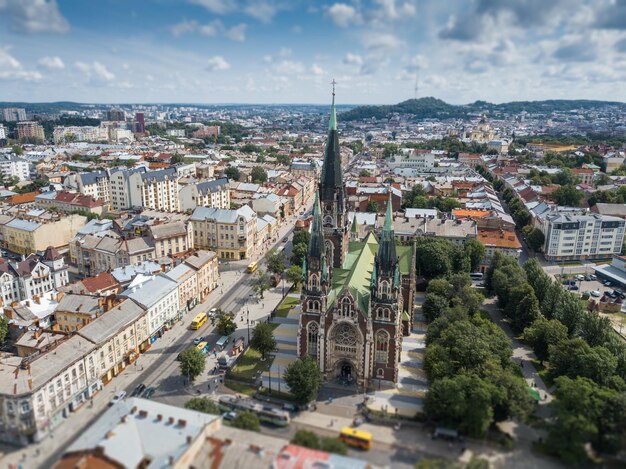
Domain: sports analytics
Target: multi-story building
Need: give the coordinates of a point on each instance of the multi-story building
(230, 233)
(116, 115)
(76, 311)
(187, 280)
(14, 166)
(28, 236)
(125, 193)
(3, 132)
(214, 194)
(205, 264)
(170, 239)
(30, 130)
(159, 297)
(579, 236)
(95, 184)
(159, 189)
(12, 114)
(421, 160)
(504, 241)
(70, 202)
(80, 134)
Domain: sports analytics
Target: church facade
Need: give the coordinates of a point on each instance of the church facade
(357, 295)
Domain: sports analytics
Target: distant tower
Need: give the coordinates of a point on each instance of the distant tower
(140, 123)
(333, 196)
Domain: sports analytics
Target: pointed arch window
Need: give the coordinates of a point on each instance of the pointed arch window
(384, 314)
(347, 309)
(314, 282)
(382, 347)
(384, 290)
(313, 305)
(312, 338)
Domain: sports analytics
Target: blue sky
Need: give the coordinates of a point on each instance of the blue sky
(287, 51)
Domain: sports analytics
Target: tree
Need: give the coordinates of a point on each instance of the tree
(301, 237)
(276, 262)
(542, 334)
(263, 340)
(258, 175)
(232, 173)
(476, 252)
(261, 283)
(333, 445)
(535, 238)
(298, 253)
(177, 158)
(574, 357)
(192, 363)
(294, 275)
(4, 329)
(203, 404)
(522, 307)
(364, 173)
(246, 420)
(307, 439)
(303, 379)
(225, 322)
(440, 287)
(434, 306)
(433, 257)
(372, 206)
(568, 195)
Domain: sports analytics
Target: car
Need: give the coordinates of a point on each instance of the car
(580, 277)
(230, 415)
(212, 312)
(607, 283)
(285, 240)
(197, 340)
(147, 394)
(118, 398)
(138, 390)
(595, 293)
(593, 277)
(290, 407)
(587, 278)
(573, 287)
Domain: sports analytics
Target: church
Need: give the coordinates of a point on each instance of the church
(357, 295)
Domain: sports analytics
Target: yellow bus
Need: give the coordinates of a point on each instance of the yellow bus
(356, 438)
(252, 266)
(198, 321)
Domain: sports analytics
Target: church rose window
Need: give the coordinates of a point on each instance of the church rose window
(345, 338)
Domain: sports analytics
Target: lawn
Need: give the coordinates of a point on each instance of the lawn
(286, 305)
(249, 366)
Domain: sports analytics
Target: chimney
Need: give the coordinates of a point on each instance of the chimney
(171, 420)
(182, 423)
(133, 410)
(159, 417)
(124, 419)
(189, 439)
(36, 299)
(27, 303)
(60, 295)
(109, 435)
(143, 413)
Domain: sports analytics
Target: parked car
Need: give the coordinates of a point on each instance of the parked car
(147, 394)
(229, 415)
(118, 397)
(285, 240)
(587, 278)
(573, 287)
(595, 293)
(593, 277)
(212, 312)
(197, 340)
(580, 277)
(138, 390)
(607, 283)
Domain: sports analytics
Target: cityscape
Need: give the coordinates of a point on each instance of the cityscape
(360, 234)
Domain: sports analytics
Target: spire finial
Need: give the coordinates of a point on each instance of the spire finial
(332, 125)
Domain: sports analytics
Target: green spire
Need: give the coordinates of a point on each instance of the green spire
(332, 125)
(316, 243)
(353, 228)
(388, 215)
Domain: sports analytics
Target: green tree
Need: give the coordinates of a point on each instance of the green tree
(298, 253)
(535, 238)
(225, 322)
(4, 329)
(433, 257)
(177, 158)
(294, 275)
(258, 175)
(372, 206)
(542, 334)
(246, 420)
(262, 339)
(192, 363)
(434, 306)
(283, 159)
(232, 173)
(276, 262)
(440, 287)
(568, 195)
(303, 379)
(436, 464)
(364, 173)
(476, 252)
(203, 404)
(522, 306)
(261, 283)
(307, 439)
(574, 357)
(333, 445)
(301, 237)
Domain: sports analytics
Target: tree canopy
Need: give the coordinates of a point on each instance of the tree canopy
(192, 363)
(262, 339)
(303, 379)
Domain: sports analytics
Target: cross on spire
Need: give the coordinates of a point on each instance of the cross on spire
(333, 83)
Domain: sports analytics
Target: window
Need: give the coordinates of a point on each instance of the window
(314, 282)
(312, 336)
(382, 346)
(383, 314)
(313, 305)
(384, 290)
(346, 307)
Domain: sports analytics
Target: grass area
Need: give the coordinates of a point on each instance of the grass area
(250, 366)
(277, 395)
(241, 388)
(286, 305)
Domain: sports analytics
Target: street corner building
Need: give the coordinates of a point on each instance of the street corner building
(357, 295)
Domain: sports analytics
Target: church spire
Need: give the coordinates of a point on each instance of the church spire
(316, 243)
(386, 257)
(332, 124)
(332, 174)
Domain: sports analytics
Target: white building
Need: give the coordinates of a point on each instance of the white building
(422, 160)
(12, 165)
(85, 133)
(3, 132)
(95, 183)
(215, 194)
(157, 189)
(571, 236)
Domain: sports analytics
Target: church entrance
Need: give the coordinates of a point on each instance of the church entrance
(346, 371)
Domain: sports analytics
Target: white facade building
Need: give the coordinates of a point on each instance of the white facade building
(12, 165)
(80, 134)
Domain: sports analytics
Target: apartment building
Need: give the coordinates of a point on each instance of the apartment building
(70, 202)
(170, 239)
(76, 311)
(14, 166)
(158, 295)
(205, 264)
(124, 193)
(187, 280)
(421, 160)
(26, 236)
(94, 184)
(13, 114)
(159, 189)
(85, 133)
(215, 194)
(504, 241)
(230, 233)
(580, 236)
(29, 130)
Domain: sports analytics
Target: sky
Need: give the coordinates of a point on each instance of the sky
(288, 51)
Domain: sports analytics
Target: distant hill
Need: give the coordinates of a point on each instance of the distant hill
(424, 108)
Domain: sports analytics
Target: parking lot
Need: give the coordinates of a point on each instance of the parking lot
(591, 286)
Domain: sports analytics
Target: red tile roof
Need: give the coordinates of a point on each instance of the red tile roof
(102, 281)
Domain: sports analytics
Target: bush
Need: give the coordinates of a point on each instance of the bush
(246, 421)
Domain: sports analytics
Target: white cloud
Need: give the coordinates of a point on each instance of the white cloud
(211, 29)
(95, 72)
(382, 42)
(216, 6)
(51, 63)
(289, 67)
(12, 69)
(184, 27)
(353, 59)
(261, 10)
(237, 33)
(393, 12)
(217, 64)
(343, 15)
(317, 70)
(34, 16)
